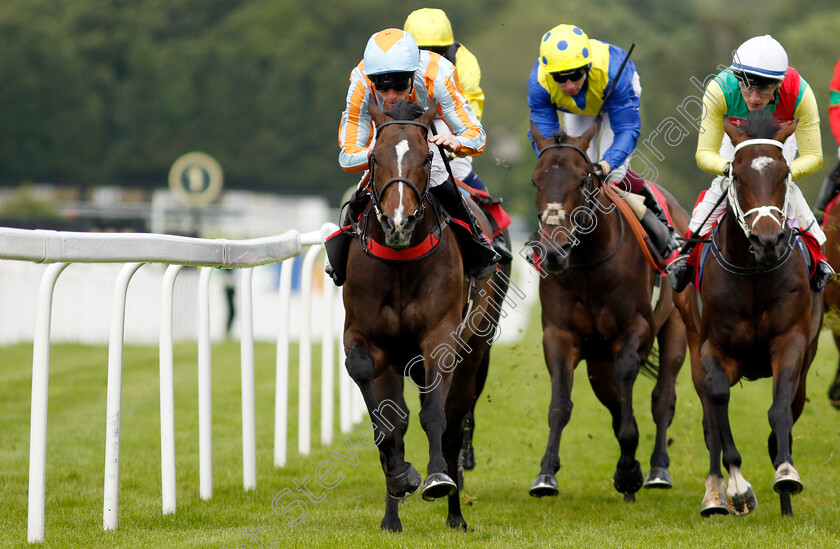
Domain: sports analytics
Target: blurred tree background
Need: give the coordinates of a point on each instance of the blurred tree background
(113, 91)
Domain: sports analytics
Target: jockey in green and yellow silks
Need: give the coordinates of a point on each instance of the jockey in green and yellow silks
(758, 79)
(831, 185)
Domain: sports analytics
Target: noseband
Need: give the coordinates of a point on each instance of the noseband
(421, 197)
(760, 211)
(553, 214)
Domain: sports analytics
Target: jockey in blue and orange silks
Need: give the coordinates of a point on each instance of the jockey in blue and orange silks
(758, 79)
(571, 77)
(395, 69)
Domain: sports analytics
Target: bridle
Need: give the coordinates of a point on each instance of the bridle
(553, 214)
(760, 211)
(421, 197)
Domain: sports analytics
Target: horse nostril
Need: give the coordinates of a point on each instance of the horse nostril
(409, 223)
(387, 223)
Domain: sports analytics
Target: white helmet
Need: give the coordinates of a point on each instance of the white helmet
(761, 56)
(391, 50)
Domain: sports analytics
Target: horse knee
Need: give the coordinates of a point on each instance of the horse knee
(429, 416)
(716, 387)
(359, 365)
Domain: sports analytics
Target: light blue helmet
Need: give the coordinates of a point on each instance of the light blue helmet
(391, 50)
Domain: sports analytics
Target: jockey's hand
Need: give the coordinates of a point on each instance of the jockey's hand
(446, 141)
(602, 168)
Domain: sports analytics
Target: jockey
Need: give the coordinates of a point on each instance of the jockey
(572, 75)
(829, 189)
(432, 30)
(758, 79)
(394, 69)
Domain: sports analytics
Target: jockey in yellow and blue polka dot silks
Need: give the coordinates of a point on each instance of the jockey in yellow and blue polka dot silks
(569, 57)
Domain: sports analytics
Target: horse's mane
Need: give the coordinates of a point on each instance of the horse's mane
(405, 110)
(559, 136)
(760, 124)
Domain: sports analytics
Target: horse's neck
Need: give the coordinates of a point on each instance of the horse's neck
(605, 234)
(733, 243)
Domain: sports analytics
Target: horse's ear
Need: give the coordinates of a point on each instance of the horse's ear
(429, 116)
(735, 135)
(376, 114)
(538, 137)
(588, 135)
(786, 130)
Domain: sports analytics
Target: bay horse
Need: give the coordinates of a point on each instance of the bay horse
(831, 226)
(412, 312)
(596, 292)
(755, 317)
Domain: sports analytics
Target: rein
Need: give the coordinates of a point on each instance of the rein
(735, 269)
(422, 198)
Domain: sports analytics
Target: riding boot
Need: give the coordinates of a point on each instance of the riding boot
(827, 192)
(479, 256)
(501, 247)
(822, 276)
(680, 272)
(670, 241)
(356, 206)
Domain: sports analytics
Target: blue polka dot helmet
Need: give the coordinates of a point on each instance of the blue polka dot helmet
(565, 48)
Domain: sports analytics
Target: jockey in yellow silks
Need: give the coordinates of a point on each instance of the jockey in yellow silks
(571, 76)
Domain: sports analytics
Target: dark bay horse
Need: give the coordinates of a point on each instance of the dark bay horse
(596, 293)
(412, 312)
(831, 226)
(756, 316)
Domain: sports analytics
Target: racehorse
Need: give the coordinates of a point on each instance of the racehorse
(831, 226)
(412, 312)
(756, 316)
(596, 292)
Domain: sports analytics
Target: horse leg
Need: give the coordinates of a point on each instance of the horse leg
(388, 387)
(788, 401)
(402, 479)
(439, 360)
(459, 401)
(466, 457)
(562, 353)
(672, 345)
(740, 497)
(834, 390)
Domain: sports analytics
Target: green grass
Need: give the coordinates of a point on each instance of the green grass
(510, 439)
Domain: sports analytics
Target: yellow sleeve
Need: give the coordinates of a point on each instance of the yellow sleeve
(711, 131)
(469, 76)
(808, 139)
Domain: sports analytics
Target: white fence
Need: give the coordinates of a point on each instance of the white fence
(134, 250)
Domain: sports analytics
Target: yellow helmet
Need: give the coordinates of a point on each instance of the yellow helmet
(565, 48)
(430, 27)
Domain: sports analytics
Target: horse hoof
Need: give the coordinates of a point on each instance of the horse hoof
(390, 525)
(787, 480)
(742, 504)
(714, 503)
(457, 523)
(405, 484)
(438, 485)
(658, 477)
(544, 485)
(629, 498)
(629, 482)
(836, 404)
(466, 458)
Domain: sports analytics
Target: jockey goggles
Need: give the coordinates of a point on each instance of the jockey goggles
(398, 81)
(574, 76)
(761, 86)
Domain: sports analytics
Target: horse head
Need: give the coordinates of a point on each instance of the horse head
(760, 184)
(400, 167)
(566, 189)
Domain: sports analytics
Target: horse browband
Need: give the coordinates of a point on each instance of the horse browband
(566, 146)
(412, 122)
